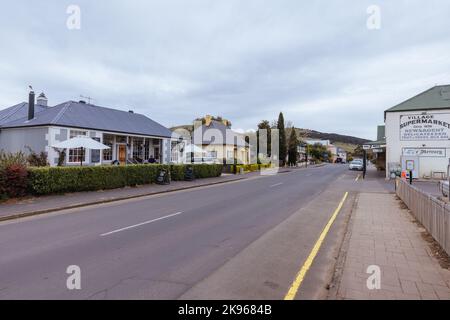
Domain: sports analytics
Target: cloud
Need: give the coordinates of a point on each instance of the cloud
(177, 60)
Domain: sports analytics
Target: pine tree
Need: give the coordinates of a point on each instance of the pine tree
(293, 145)
(282, 139)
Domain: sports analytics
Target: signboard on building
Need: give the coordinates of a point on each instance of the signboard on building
(425, 127)
(425, 152)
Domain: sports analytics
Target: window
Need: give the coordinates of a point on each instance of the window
(138, 147)
(121, 139)
(230, 154)
(213, 154)
(174, 151)
(95, 154)
(108, 140)
(147, 149)
(77, 154)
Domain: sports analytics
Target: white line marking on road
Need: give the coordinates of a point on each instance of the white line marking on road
(357, 177)
(309, 175)
(276, 185)
(141, 224)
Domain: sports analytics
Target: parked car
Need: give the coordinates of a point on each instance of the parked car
(356, 165)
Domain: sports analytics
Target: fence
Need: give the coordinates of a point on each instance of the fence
(431, 212)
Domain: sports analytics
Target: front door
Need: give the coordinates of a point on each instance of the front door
(122, 153)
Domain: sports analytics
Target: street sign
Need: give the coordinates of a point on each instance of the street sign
(366, 146)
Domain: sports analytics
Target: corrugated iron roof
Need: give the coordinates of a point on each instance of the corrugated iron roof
(437, 97)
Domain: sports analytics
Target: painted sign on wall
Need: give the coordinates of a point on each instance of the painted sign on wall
(425, 127)
(424, 152)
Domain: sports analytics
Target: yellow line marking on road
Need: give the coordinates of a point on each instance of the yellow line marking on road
(290, 295)
(357, 178)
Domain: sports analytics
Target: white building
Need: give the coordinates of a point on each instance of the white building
(312, 142)
(418, 134)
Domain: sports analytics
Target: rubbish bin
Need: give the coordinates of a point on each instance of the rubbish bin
(189, 173)
(163, 177)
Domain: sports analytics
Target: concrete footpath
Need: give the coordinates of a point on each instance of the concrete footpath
(383, 234)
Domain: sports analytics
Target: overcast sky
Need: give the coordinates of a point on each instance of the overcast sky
(244, 60)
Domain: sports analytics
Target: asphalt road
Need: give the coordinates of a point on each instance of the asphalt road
(156, 247)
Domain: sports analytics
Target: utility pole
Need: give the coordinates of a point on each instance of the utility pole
(364, 163)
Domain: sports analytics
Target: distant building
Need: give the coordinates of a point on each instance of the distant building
(341, 153)
(336, 152)
(218, 140)
(418, 134)
(318, 141)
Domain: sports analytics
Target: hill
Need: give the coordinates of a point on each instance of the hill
(348, 143)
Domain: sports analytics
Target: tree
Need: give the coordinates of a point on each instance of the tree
(264, 125)
(282, 139)
(319, 152)
(293, 147)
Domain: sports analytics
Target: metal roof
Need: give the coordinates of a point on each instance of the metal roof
(437, 97)
(88, 116)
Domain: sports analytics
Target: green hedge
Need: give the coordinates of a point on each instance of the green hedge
(207, 170)
(48, 180)
(252, 167)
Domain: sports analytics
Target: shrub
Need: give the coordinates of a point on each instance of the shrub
(251, 167)
(37, 160)
(207, 170)
(7, 159)
(177, 171)
(3, 194)
(48, 180)
(15, 180)
(10, 165)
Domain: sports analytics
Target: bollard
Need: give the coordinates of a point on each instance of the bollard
(410, 176)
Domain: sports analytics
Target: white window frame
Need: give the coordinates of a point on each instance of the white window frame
(80, 133)
(110, 144)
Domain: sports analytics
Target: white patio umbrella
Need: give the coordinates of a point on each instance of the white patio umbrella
(82, 142)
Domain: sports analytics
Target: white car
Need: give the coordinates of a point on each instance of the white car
(356, 165)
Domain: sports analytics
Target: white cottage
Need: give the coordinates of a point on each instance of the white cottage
(133, 138)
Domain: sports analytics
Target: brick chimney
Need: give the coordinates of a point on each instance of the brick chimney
(42, 100)
(208, 119)
(31, 105)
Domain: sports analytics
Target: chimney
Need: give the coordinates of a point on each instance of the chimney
(42, 100)
(31, 105)
(208, 120)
